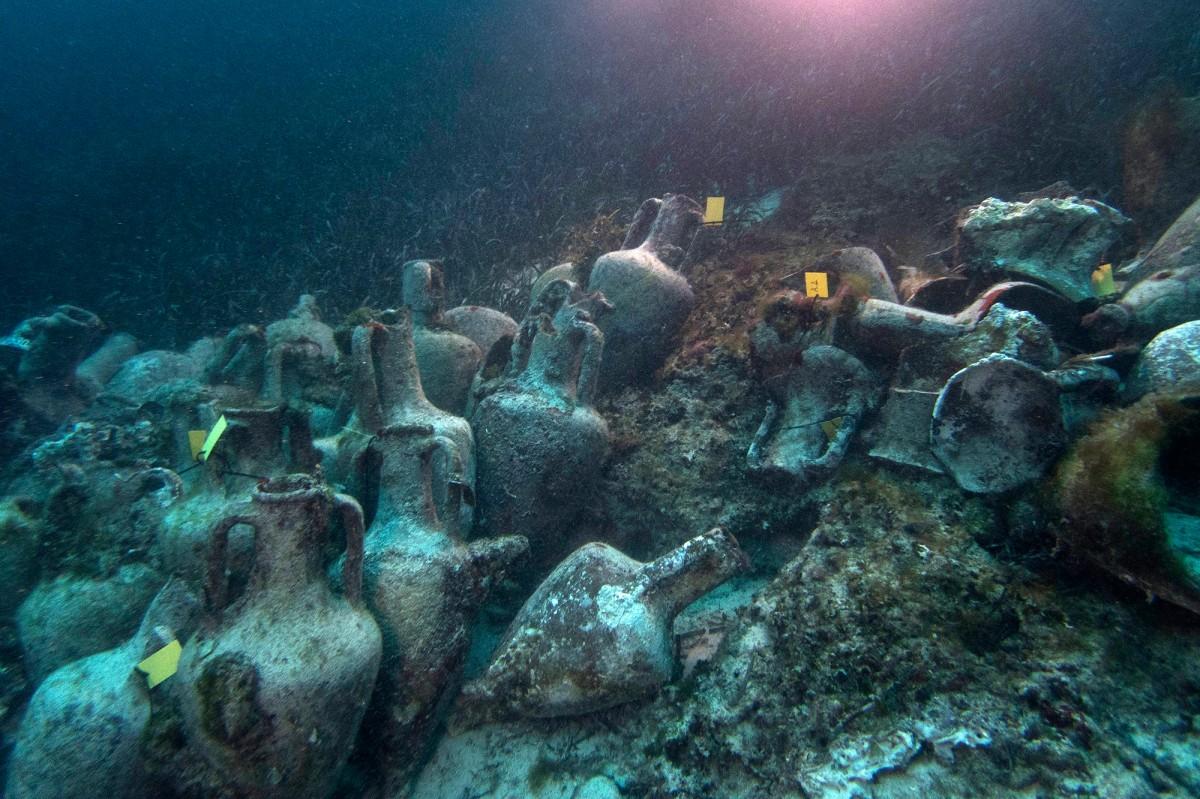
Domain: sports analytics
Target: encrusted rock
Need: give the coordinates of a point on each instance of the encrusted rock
(1058, 242)
(20, 530)
(1170, 362)
(1128, 499)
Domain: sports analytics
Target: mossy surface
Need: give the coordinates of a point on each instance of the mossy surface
(1112, 493)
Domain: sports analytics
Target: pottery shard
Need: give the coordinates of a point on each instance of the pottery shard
(1057, 242)
(997, 425)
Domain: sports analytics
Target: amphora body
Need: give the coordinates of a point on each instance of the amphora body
(276, 683)
(650, 299)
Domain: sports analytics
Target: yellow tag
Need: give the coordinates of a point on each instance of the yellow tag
(830, 427)
(1102, 281)
(196, 441)
(162, 664)
(214, 436)
(816, 284)
(714, 210)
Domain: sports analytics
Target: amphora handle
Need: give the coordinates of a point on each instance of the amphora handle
(352, 567)
(216, 584)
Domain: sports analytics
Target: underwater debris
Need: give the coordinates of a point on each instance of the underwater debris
(301, 358)
(902, 433)
(239, 361)
(97, 369)
(71, 617)
(258, 443)
(1164, 289)
(860, 267)
(979, 390)
(388, 393)
(485, 326)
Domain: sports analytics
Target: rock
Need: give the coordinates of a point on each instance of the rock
(597, 632)
(1161, 157)
(1057, 242)
(73, 617)
(997, 425)
(20, 531)
(1169, 363)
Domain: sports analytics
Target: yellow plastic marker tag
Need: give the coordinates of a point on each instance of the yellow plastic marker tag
(830, 427)
(816, 284)
(214, 436)
(1102, 281)
(714, 210)
(196, 441)
(162, 664)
